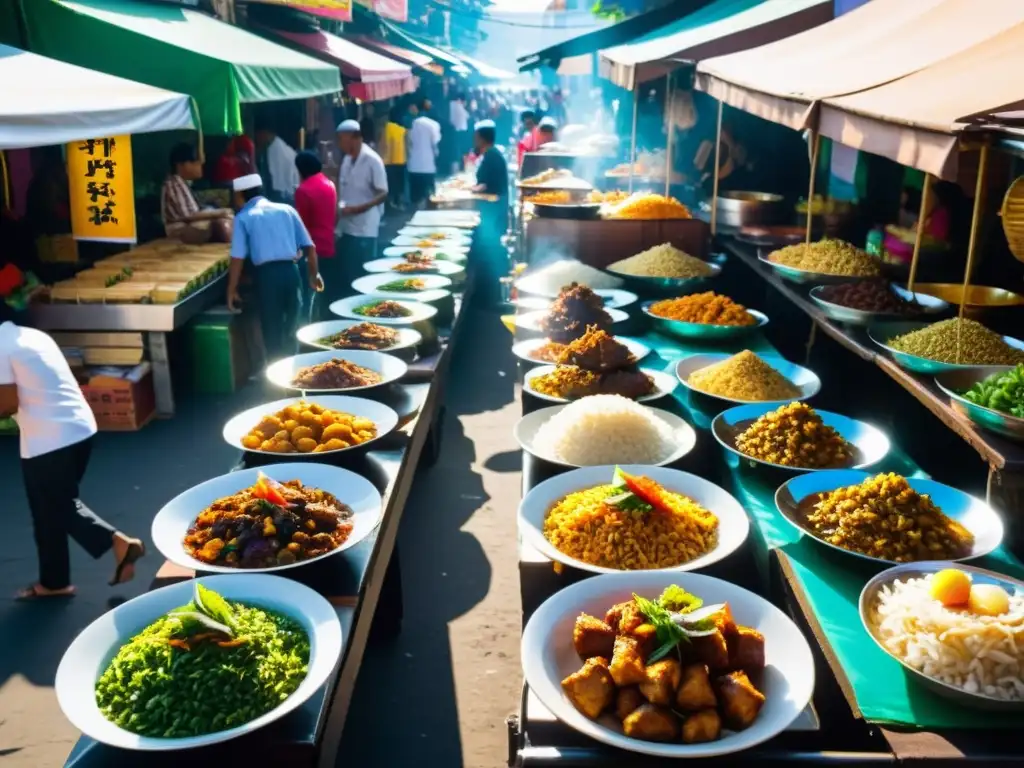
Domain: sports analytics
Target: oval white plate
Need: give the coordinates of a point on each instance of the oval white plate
(804, 379)
(549, 657)
(173, 520)
(454, 255)
(389, 367)
(434, 290)
(456, 242)
(445, 232)
(526, 431)
(381, 415)
(974, 514)
(444, 268)
(523, 349)
(733, 525)
(530, 321)
(663, 384)
(311, 335)
(89, 654)
(347, 308)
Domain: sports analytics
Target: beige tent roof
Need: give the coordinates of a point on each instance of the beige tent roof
(877, 43)
(915, 120)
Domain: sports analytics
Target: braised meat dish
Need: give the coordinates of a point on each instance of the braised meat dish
(335, 374)
(363, 336)
(576, 308)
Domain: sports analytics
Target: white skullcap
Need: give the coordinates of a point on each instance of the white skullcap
(548, 122)
(251, 181)
(349, 126)
(484, 124)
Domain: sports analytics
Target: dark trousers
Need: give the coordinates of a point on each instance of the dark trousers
(307, 296)
(51, 483)
(396, 183)
(353, 252)
(332, 270)
(421, 187)
(277, 290)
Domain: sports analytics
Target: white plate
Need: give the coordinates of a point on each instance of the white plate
(434, 289)
(548, 657)
(523, 349)
(453, 242)
(733, 525)
(381, 415)
(311, 335)
(90, 653)
(347, 308)
(804, 379)
(173, 520)
(530, 321)
(614, 298)
(464, 220)
(663, 385)
(456, 255)
(389, 367)
(446, 232)
(526, 428)
(444, 268)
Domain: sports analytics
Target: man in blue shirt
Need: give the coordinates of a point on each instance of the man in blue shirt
(272, 236)
(491, 179)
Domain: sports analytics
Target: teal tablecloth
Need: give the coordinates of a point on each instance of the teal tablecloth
(830, 581)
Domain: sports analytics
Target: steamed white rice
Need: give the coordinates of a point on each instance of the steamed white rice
(978, 654)
(550, 279)
(605, 429)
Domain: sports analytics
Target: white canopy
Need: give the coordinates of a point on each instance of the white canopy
(45, 101)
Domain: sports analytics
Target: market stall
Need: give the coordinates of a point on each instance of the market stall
(361, 586)
(414, 59)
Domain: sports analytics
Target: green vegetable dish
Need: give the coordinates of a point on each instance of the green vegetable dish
(403, 286)
(1001, 392)
(208, 666)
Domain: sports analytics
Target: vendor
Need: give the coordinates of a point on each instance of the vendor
(491, 179)
(57, 427)
(273, 236)
(528, 135)
(546, 132)
(275, 160)
(899, 245)
(362, 190)
(238, 159)
(183, 217)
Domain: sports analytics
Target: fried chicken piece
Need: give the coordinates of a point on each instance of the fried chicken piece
(591, 689)
(723, 620)
(625, 617)
(662, 679)
(627, 701)
(592, 637)
(596, 351)
(738, 700)
(627, 665)
(746, 650)
(648, 637)
(711, 650)
(695, 692)
(651, 723)
(702, 726)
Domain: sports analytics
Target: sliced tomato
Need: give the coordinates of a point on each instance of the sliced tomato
(645, 489)
(266, 489)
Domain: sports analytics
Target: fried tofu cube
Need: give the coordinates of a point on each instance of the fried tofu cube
(591, 689)
(627, 665)
(738, 700)
(592, 637)
(702, 726)
(746, 650)
(624, 617)
(662, 681)
(627, 701)
(695, 691)
(723, 620)
(651, 723)
(648, 637)
(711, 650)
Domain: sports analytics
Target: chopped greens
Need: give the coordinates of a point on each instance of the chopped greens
(623, 498)
(677, 599)
(667, 615)
(1001, 392)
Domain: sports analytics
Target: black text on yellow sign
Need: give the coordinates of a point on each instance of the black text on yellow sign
(102, 187)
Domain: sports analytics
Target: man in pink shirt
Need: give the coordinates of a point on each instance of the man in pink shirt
(316, 200)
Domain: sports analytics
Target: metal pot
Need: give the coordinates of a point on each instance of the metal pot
(742, 209)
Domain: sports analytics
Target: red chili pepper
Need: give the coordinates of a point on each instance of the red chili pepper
(266, 489)
(645, 489)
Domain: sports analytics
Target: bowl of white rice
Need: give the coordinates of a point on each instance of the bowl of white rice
(976, 660)
(549, 279)
(605, 429)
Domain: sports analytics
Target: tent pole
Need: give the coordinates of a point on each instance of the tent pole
(925, 189)
(632, 143)
(810, 187)
(972, 245)
(4, 180)
(714, 171)
(671, 131)
(199, 128)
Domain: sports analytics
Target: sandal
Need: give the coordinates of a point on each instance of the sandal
(135, 551)
(31, 592)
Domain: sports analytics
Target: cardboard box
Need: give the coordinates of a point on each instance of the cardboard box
(122, 399)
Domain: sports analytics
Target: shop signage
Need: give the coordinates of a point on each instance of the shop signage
(340, 10)
(102, 189)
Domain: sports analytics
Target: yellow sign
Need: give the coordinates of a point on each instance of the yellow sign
(340, 10)
(102, 189)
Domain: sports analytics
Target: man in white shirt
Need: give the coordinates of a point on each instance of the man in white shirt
(458, 116)
(362, 190)
(57, 427)
(424, 140)
(277, 167)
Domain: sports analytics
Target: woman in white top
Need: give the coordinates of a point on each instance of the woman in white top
(57, 428)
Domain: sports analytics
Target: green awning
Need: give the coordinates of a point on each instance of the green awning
(219, 65)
